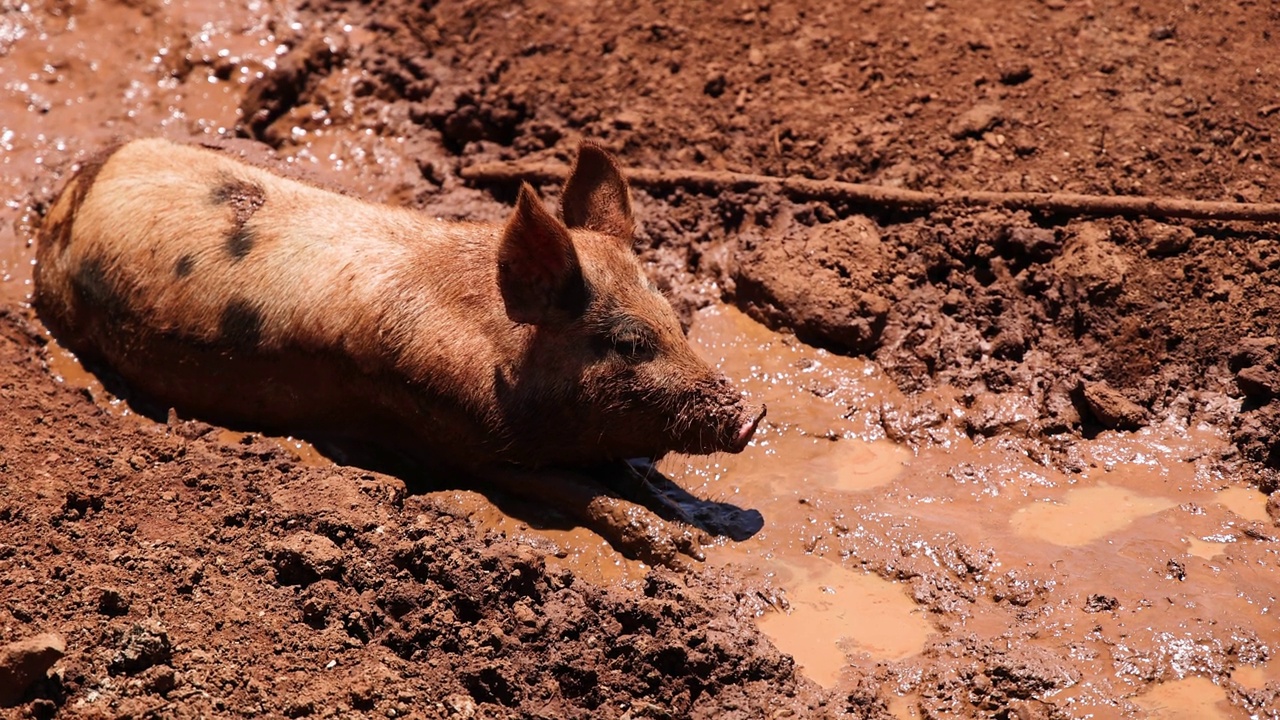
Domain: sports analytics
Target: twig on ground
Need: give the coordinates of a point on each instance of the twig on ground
(805, 188)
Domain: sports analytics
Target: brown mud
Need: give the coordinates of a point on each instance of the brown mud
(1027, 476)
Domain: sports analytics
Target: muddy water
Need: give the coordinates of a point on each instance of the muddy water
(833, 613)
(1147, 524)
(84, 74)
(1086, 514)
(66, 368)
(1194, 698)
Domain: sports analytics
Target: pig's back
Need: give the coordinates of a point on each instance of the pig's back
(187, 240)
(224, 290)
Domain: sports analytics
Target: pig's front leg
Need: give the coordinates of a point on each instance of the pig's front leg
(631, 529)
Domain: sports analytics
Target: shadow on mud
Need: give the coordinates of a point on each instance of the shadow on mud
(718, 519)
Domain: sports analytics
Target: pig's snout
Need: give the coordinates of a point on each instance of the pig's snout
(746, 431)
(732, 420)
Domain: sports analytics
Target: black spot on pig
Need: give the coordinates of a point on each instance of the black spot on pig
(244, 197)
(241, 325)
(91, 282)
(240, 241)
(94, 288)
(184, 266)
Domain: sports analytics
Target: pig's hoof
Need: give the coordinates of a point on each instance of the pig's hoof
(641, 535)
(648, 542)
(690, 543)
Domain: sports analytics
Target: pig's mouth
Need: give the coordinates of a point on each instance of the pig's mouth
(746, 431)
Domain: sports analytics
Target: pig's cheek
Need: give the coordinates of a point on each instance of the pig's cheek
(630, 385)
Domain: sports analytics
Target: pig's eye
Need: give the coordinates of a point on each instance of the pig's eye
(632, 341)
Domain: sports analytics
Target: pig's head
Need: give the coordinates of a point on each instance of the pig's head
(607, 372)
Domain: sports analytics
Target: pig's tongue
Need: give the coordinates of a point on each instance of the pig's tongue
(747, 430)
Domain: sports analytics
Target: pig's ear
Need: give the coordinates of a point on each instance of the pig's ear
(538, 269)
(596, 196)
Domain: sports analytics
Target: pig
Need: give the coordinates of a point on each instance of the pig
(525, 355)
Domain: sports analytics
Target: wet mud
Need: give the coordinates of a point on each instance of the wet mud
(962, 543)
(1015, 464)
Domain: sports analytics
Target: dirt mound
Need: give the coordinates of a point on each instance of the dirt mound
(829, 291)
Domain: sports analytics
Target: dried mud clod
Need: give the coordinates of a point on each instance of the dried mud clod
(23, 663)
(819, 281)
(1111, 408)
(1256, 364)
(140, 647)
(304, 558)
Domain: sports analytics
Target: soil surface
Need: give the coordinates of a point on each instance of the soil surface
(1036, 448)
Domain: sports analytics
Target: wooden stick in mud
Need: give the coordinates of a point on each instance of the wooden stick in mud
(805, 188)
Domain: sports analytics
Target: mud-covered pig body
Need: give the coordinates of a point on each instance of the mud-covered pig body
(238, 296)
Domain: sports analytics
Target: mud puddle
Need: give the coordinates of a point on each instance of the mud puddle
(1086, 514)
(1194, 698)
(181, 73)
(833, 614)
(1144, 572)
